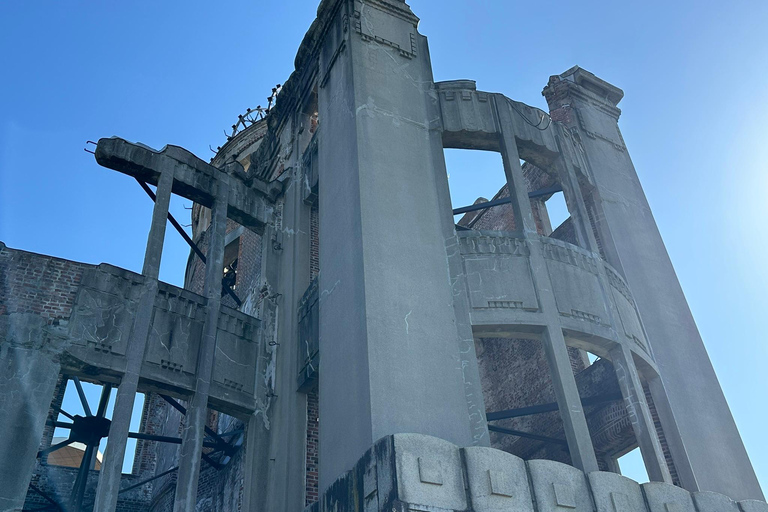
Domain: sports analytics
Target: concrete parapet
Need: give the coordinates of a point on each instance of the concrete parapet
(558, 486)
(497, 480)
(418, 473)
(714, 502)
(615, 493)
(753, 506)
(663, 497)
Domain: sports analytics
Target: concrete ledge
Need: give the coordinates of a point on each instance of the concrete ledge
(615, 493)
(714, 502)
(753, 506)
(418, 473)
(663, 497)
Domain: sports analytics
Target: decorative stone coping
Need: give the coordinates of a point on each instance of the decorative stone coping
(418, 473)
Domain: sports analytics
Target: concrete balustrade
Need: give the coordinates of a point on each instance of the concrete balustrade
(418, 473)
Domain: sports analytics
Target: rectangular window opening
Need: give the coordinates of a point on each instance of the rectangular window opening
(632, 466)
(476, 177)
(231, 257)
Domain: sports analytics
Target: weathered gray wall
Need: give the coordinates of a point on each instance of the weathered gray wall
(389, 349)
(708, 437)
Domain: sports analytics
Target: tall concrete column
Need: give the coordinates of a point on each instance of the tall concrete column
(112, 465)
(623, 362)
(389, 348)
(193, 431)
(567, 394)
(640, 415)
(702, 436)
(288, 409)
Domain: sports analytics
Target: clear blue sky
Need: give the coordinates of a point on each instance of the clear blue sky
(695, 75)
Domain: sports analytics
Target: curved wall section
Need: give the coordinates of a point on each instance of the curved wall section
(591, 297)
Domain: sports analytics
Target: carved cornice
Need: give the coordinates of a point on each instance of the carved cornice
(617, 282)
(564, 252)
(396, 8)
(493, 244)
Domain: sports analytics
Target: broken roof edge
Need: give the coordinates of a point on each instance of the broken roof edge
(591, 82)
(240, 138)
(292, 88)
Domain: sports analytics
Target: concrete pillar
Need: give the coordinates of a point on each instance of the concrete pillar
(288, 271)
(640, 415)
(27, 383)
(111, 467)
(563, 381)
(193, 431)
(388, 341)
(705, 439)
(621, 356)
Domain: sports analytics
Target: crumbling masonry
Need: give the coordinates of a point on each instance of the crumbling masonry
(347, 339)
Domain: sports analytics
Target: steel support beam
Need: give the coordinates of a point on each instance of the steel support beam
(550, 407)
(187, 239)
(640, 415)
(519, 433)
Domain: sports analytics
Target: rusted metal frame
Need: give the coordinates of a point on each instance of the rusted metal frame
(167, 439)
(183, 410)
(224, 445)
(545, 191)
(55, 447)
(550, 407)
(62, 411)
(536, 437)
(505, 200)
(187, 239)
(59, 424)
(81, 394)
(134, 486)
(482, 206)
(88, 461)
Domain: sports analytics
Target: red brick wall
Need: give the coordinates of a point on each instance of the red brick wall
(314, 242)
(58, 398)
(313, 398)
(34, 283)
(313, 437)
(152, 421)
(662, 437)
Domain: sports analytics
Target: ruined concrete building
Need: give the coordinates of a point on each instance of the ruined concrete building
(349, 340)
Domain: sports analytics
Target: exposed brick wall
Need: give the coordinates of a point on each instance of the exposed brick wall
(311, 477)
(56, 483)
(566, 232)
(58, 398)
(152, 421)
(662, 437)
(314, 244)
(249, 265)
(515, 373)
(500, 217)
(312, 452)
(34, 283)
(218, 490)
